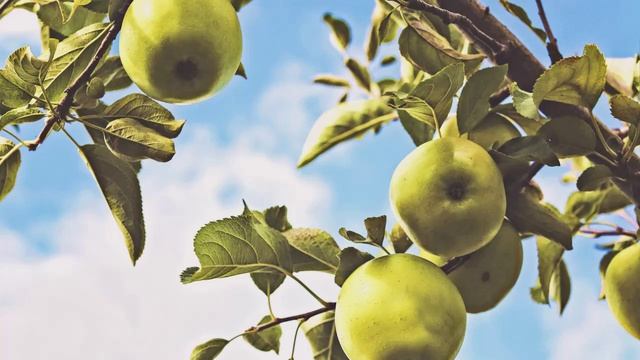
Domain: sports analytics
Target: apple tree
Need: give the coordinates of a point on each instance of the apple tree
(485, 115)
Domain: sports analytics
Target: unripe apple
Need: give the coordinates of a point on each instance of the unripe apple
(400, 307)
(622, 288)
(180, 51)
(449, 197)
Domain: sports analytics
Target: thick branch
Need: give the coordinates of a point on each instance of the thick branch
(525, 68)
(552, 44)
(304, 316)
(62, 110)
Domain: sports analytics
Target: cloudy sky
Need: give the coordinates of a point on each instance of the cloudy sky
(68, 291)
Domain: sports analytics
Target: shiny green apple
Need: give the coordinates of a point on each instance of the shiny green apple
(180, 51)
(622, 288)
(494, 130)
(449, 197)
(491, 272)
(400, 307)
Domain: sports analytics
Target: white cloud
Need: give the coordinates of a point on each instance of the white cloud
(85, 300)
(18, 28)
(588, 330)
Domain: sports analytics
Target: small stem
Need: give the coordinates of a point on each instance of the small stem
(5, 5)
(70, 137)
(612, 154)
(617, 232)
(9, 153)
(269, 302)
(295, 338)
(454, 263)
(311, 292)
(632, 145)
(552, 45)
(13, 135)
(305, 316)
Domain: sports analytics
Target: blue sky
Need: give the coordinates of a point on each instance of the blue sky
(67, 283)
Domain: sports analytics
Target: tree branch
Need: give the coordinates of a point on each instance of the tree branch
(525, 68)
(497, 48)
(62, 110)
(305, 316)
(618, 231)
(552, 44)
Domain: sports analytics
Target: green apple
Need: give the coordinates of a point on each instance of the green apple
(449, 197)
(400, 307)
(494, 130)
(180, 51)
(491, 272)
(622, 289)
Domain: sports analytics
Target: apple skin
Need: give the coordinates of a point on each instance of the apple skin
(448, 196)
(493, 130)
(400, 307)
(491, 272)
(180, 51)
(622, 289)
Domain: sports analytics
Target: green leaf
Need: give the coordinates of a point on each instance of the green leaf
(474, 99)
(352, 235)
(9, 165)
(359, 72)
(429, 51)
(26, 66)
(438, 90)
(510, 167)
(20, 116)
(383, 29)
(549, 256)
(313, 250)
(267, 280)
(376, 228)
(399, 239)
(343, 122)
(331, 80)
(119, 185)
(265, 340)
(72, 56)
(148, 112)
(66, 18)
(132, 141)
(208, 350)
(521, 14)
(237, 245)
(14, 92)
(569, 136)
(530, 126)
(625, 108)
(321, 333)
(560, 286)
(594, 177)
(587, 204)
(573, 80)
(340, 32)
(276, 217)
(530, 148)
(419, 131)
(528, 215)
(95, 88)
(350, 259)
(523, 102)
(416, 108)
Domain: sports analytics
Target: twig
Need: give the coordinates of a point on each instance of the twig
(454, 263)
(305, 316)
(552, 44)
(617, 232)
(62, 110)
(498, 97)
(499, 49)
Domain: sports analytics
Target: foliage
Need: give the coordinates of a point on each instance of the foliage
(441, 61)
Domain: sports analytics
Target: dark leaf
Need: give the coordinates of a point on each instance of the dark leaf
(267, 339)
(350, 260)
(473, 105)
